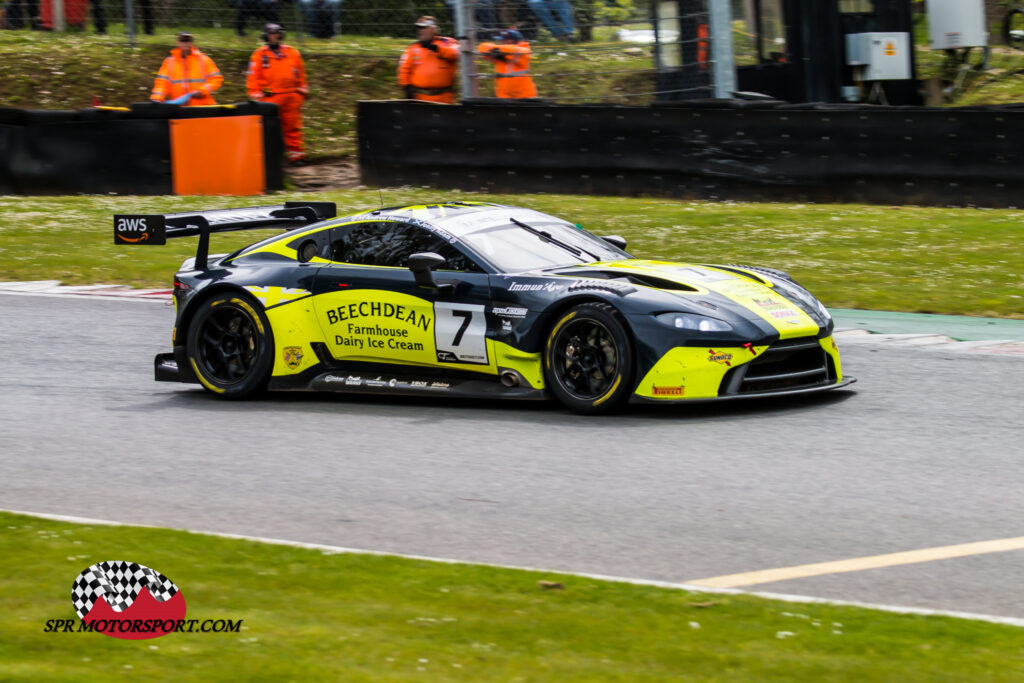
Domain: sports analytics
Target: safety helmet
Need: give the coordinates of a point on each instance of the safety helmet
(511, 34)
(271, 28)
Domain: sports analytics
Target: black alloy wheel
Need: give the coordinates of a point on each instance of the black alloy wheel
(230, 346)
(588, 360)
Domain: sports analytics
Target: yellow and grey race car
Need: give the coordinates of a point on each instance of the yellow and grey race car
(475, 299)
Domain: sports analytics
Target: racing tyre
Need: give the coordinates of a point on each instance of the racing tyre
(588, 359)
(230, 346)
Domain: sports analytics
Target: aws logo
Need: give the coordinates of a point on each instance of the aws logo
(140, 229)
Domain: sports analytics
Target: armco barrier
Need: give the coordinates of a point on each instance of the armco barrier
(708, 149)
(100, 151)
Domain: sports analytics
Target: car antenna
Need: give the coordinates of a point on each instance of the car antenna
(373, 167)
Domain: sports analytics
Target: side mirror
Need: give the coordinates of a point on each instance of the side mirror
(615, 241)
(421, 266)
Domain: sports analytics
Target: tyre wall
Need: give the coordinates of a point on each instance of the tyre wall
(720, 149)
(120, 151)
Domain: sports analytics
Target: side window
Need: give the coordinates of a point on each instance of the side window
(386, 243)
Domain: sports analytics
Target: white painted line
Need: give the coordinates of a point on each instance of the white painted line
(163, 299)
(931, 342)
(55, 288)
(858, 564)
(693, 588)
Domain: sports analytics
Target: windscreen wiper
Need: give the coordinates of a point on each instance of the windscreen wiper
(548, 237)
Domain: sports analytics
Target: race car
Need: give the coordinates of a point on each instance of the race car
(473, 299)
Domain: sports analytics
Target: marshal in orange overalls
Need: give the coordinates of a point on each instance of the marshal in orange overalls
(279, 76)
(512, 77)
(430, 73)
(181, 75)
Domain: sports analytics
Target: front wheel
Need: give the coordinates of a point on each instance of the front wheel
(230, 346)
(588, 359)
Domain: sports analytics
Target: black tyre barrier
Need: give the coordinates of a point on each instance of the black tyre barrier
(104, 151)
(712, 149)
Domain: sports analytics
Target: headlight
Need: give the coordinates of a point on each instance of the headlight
(803, 298)
(692, 321)
(824, 311)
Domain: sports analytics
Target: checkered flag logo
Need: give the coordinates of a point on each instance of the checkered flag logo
(119, 583)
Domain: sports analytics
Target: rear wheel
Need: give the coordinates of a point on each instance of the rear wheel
(230, 346)
(588, 359)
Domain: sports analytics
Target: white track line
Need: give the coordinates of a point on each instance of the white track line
(859, 564)
(1008, 621)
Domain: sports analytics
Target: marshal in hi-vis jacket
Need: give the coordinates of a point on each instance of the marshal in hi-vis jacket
(180, 75)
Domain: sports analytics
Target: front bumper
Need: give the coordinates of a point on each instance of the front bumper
(845, 381)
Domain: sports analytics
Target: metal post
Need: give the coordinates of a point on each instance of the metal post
(722, 59)
(59, 21)
(300, 24)
(465, 35)
(129, 19)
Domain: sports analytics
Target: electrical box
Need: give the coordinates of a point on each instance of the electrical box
(883, 56)
(954, 24)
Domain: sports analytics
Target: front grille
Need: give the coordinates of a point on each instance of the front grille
(791, 364)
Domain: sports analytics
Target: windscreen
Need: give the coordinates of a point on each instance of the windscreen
(513, 247)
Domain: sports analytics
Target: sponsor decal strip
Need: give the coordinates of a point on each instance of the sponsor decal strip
(692, 587)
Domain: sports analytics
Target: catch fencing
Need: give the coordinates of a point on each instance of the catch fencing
(602, 51)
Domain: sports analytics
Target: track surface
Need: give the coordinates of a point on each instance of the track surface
(927, 451)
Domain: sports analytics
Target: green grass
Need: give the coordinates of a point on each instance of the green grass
(43, 70)
(313, 615)
(915, 259)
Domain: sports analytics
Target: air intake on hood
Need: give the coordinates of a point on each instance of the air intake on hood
(633, 278)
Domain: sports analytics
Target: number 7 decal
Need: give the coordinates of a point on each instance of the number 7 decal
(467, 317)
(460, 333)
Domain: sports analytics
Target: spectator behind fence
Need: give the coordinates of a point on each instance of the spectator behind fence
(511, 59)
(485, 14)
(277, 74)
(21, 14)
(556, 15)
(187, 77)
(322, 17)
(427, 68)
(263, 11)
(99, 17)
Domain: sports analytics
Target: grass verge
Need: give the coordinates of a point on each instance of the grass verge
(312, 615)
(912, 259)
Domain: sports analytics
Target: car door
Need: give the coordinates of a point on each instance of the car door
(371, 309)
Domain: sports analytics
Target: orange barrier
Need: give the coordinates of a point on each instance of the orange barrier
(218, 156)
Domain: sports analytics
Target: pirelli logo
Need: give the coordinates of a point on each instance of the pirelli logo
(140, 229)
(668, 391)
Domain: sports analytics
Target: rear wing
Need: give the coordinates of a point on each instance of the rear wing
(154, 229)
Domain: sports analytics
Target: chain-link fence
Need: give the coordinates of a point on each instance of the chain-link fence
(608, 51)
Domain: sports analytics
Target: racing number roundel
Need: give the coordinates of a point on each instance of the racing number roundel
(460, 333)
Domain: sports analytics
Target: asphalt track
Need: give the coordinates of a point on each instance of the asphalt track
(926, 451)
